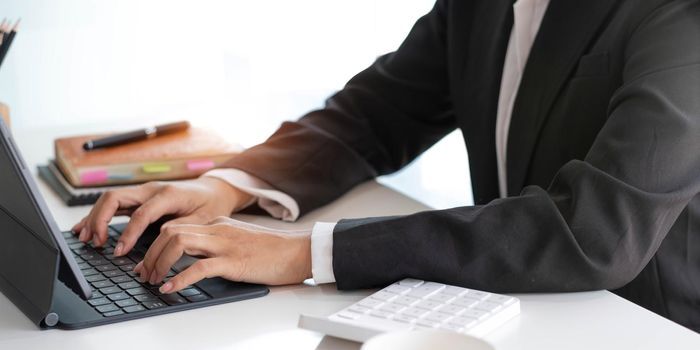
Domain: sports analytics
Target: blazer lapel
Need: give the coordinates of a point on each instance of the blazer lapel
(567, 29)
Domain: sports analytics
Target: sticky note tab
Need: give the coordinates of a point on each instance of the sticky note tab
(155, 168)
(198, 165)
(93, 177)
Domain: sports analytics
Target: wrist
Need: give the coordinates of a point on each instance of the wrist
(235, 198)
(303, 256)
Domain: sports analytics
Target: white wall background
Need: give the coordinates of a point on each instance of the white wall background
(239, 66)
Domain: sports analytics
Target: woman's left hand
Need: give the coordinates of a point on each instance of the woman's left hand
(230, 249)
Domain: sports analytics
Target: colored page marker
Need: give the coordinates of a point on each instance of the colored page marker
(198, 165)
(93, 177)
(156, 168)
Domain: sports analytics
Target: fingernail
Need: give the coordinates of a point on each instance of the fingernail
(152, 279)
(118, 249)
(137, 268)
(166, 287)
(83, 234)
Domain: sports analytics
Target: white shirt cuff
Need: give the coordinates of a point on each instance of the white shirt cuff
(278, 204)
(322, 252)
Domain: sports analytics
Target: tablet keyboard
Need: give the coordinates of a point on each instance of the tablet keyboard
(415, 304)
(116, 288)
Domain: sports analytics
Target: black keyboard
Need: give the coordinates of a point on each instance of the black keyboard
(116, 288)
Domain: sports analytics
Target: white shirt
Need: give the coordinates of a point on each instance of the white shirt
(528, 15)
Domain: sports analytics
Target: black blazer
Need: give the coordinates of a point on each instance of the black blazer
(603, 157)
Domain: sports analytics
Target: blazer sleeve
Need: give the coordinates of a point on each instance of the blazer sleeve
(381, 120)
(600, 220)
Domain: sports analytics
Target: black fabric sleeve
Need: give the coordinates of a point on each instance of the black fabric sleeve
(601, 219)
(384, 118)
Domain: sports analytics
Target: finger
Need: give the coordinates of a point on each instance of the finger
(183, 243)
(79, 226)
(194, 219)
(150, 211)
(176, 238)
(106, 207)
(205, 268)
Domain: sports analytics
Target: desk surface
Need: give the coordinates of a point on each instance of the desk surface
(590, 320)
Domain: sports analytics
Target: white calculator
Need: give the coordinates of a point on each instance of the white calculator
(415, 304)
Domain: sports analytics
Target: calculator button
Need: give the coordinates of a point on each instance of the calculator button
(410, 282)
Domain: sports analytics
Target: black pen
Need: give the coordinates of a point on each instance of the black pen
(136, 135)
(7, 37)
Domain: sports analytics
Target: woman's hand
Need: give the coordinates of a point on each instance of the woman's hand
(192, 201)
(230, 249)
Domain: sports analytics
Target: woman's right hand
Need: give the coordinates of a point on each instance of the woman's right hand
(192, 202)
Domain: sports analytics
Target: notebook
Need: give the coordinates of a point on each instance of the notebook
(70, 195)
(181, 155)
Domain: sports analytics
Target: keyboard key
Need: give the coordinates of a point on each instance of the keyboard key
(410, 282)
(135, 308)
(89, 272)
(349, 315)
(129, 285)
(120, 279)
(137, 291)
(104, 268)
(102, 284)
(370, 303)
(451, 309)
(145, 297)
(393, 308)
(198, 297)
(107, 308)
(122, 261)
(453, 290)
(477, 314)
(127, 302)
(153, 304)
(380, 314)
(488, 306)
(173, 299)
(96, 294)
(461, 321)
(118, 296)
(189, 292)
(477, 294)
(406, 300)
(95, 278)
(397, 289)
(110, 290)
(83, 265)
(403, 318)
(112, 232)
(414, 312)
(135, 255)
(359, 309)
(442, 298)
(76, 245)
(131, 273)
(113, 313)
(437, 317)
(428, 305)
(98, 301)
(465, 302)
(98, 261)
(425, 290)
(127, 267)
(383, 296)
(113, 273)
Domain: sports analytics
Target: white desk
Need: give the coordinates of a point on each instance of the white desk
(592, 320)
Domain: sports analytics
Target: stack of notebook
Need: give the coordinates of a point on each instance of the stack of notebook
(79, 176)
